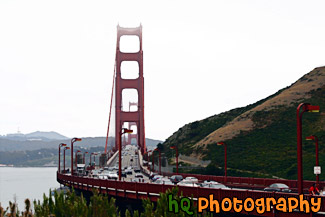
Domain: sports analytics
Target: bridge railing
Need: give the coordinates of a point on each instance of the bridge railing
(130, 189)
(249, 181)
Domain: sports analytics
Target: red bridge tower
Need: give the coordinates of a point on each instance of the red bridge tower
(138, 84)
(133, 135)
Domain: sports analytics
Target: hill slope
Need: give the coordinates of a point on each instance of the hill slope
(261, 137)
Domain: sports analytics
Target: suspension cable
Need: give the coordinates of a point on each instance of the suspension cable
(110, 109)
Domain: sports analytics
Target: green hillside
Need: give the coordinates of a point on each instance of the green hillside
(261, 137)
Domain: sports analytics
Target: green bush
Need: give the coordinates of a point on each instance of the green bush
(67, 205)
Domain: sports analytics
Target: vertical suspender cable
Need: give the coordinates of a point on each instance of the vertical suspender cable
(110, 108)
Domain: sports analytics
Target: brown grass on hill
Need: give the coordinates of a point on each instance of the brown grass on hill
(311, 81)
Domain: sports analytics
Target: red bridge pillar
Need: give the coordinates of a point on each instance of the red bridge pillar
(133, 135)
(138, 84)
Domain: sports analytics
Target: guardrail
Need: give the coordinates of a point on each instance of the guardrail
(137, 190)
(249, 181)
(241, 182)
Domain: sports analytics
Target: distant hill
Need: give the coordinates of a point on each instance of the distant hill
(34, 144)
(38, 135)
(48, 135)
(39, 157)
(42, 153)
(260, 137)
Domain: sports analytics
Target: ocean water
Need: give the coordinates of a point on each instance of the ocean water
(19, 183)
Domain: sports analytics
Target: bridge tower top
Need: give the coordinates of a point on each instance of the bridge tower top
(137, 84)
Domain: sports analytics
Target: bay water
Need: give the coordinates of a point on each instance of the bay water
(19, 183)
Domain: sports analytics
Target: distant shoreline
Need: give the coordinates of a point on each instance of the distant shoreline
(12, 166)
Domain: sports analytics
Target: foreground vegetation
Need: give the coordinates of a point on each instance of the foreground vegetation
(67, 205)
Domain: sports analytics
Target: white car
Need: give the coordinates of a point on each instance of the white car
(112, 175)
(163, 181)
(187, 183)
(213, 184)
(156, 177)
(138, 175)
(128, 171)
(192, 179)
(208, 182)
(102, 177)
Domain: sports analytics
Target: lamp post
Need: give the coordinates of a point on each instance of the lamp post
(306, 107)
(176, 149)
(314, 138)
(159, 159)
(84, 157)
(123, 131)
(148, 161)
(153, 160)
(65, 148)
(90, 159)
(93, 153)
(73, 141)
(60, 145)
(76, 160)
(225, 146)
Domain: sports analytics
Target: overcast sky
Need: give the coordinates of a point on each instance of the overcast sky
(200, 58)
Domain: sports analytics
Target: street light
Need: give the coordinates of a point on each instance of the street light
(306, 107)
(176, 149)
(148, 166)
(84, 157)
(60, 145)
(153, 160)
(73, 141)
(93, 153)
(314, 138)
(65, 148)
(159, 159)
(225, 146)
(124, 130)
(76, 160)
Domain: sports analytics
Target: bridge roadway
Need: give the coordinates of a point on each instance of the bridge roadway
(139, 190)
(129, 153)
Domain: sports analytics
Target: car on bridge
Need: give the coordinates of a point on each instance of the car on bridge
(187, 183)
(279, 187)
(138, 180)
(192, 179)
(213, 184)
(123, 174)
(94, 173)
(138, 175)
(152, 175)
(112, 175)
(176, 179)
(163, 181)
(156, 177)
(128, 171)
(102, 177)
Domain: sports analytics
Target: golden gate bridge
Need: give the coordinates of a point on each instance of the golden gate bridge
(241, 188)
